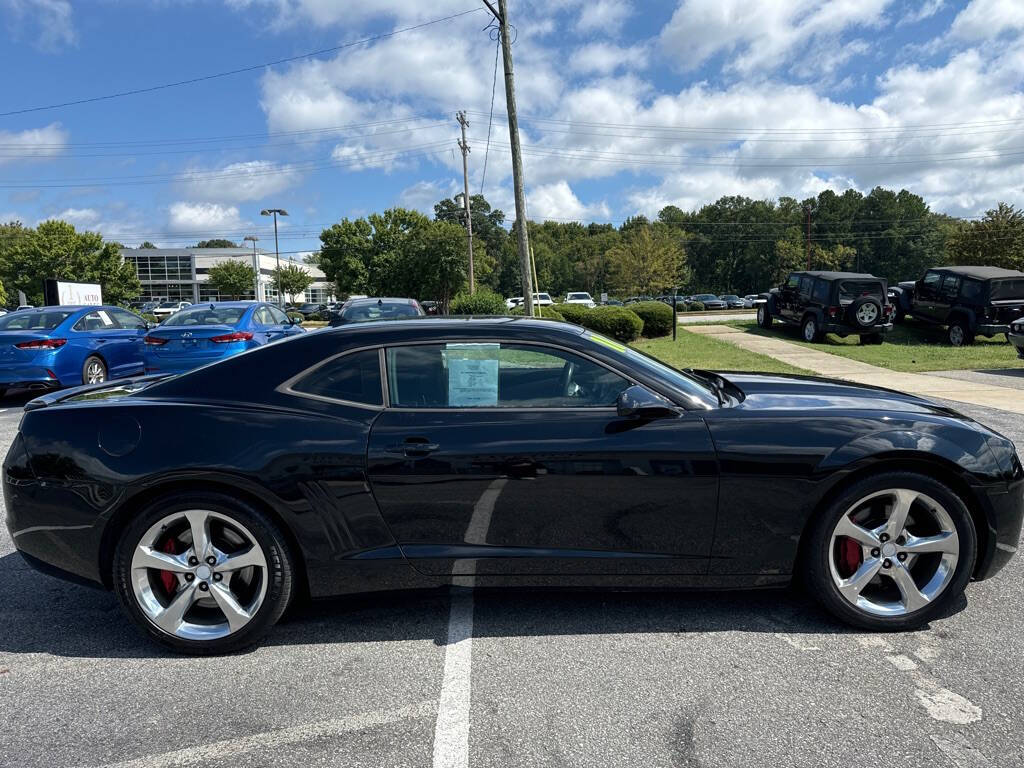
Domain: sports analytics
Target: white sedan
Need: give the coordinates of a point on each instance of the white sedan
(580, 297)
(167, 308)
(540, 299)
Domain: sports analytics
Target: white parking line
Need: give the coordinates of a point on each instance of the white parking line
(231, 748)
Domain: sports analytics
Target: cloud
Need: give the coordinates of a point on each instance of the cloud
(557, 201)
(49, 20)
(187, 217)
(33, 143)
(606, 58)
(237, 182)
(925, 10)
(350, 13)
(422, 195)
(988, 19)
(605, 16)
(758, 42)
(86, 218)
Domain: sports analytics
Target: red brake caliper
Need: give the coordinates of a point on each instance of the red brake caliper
(850, 556)
(167, 578)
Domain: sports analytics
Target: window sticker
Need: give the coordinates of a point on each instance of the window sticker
(105, 317)
(472, 374)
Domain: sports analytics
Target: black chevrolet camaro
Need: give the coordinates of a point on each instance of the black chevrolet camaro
(499, 452)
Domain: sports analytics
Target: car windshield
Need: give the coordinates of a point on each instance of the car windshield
(310, 306)
(849, 290)
(206, 315)
(33, 321)
(730, 297)
(579, 296)
(364, 313)
(1003, 290)
(543, 297)
(707, 297)
(168, 304)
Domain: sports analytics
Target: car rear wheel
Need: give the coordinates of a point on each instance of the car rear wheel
(892, 552)
(203, 574)
(811, 330)
(764, 316)
(959, 334)
(94, 370)
(866, 312)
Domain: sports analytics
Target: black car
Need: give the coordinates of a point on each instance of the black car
(516, 452)
(843, 303)
(370, 309)
(710, 301)
(310, 310)
(733, 301)
(969, 301)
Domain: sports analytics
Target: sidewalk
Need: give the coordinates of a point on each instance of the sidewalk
(836, 366)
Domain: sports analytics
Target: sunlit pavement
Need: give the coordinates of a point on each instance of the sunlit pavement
(521, 679)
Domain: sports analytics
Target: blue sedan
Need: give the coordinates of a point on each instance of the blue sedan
(206, 333)
(53, 347)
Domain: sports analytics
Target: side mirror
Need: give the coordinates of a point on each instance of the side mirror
(638, 402)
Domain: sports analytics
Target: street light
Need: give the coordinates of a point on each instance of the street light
(275, 212)
(256, 266)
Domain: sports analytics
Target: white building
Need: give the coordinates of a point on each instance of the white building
(183, 274)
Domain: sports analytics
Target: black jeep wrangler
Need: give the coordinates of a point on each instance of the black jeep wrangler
(969, 301)
(843, 303)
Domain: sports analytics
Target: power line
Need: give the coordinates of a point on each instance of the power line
(490, 116)
(241, 70)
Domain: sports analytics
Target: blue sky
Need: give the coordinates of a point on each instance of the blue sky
(627, 107)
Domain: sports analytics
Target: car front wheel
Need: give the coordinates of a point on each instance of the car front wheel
(810, 330)
(959, 334)
(203, 574)
(764, 316)
(892, 552)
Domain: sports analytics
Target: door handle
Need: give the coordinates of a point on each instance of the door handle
(414, 447)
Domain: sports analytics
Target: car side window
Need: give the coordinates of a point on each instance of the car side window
(931, 281)
(806, 283)
(493, 375)
(262, 316)
(128, 320)
(100, 320)
(793, 282)
(279, 317)
(950, 287)
(972, 290)
(821, 290)
(354, 378)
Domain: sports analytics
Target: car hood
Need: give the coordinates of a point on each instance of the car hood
(761, 391)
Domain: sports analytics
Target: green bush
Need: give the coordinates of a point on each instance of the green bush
(574, 313)
(657, 317)
(150, 318)
(547, 313)
(618, 322)
(483, 302)
(295, 316)
(695, 306)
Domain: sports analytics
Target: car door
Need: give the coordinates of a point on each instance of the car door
(786, 301)
(131, 334)
(264, 328)
(283, 327)
(926, 294)
(947, 297)
(99, 334)
(513, 456)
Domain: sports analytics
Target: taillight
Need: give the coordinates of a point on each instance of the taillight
(236, 336)
(154, 341)
(889, 309)
(834, 311)
(42, 344)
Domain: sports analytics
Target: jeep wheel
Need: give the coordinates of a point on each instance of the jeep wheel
(959, 334)
(810, 330)
(865, 312)
(764, 316)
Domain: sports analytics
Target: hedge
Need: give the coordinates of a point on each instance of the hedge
(483, 302)
(547, 313)
(574, 313)
(657, 317)
(695, 306)
(151, 318)
(618, 322)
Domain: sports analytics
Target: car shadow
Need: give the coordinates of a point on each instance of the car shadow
(47, 615)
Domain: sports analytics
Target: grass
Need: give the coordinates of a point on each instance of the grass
(691, 350)
(910, 347)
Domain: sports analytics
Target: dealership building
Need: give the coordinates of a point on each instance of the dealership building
(183, 274)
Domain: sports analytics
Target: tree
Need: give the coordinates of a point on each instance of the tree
(649, 260)
(232, 277)
(437, 253)
(291, 280)
(55, 250)
(147, 244)
(488, 231)
(996, 240)
(215, 243)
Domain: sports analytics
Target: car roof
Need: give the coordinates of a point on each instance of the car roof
(375, 299)
(434, 324)
(982, 273)
(839, 275)
(68, 307)
(249, 303)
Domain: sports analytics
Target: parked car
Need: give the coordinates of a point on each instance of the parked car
(638, 299)
(165, 309)
(24, 306)
(843, 303)
(732, 301)
(612, 303)
(67, 346)
(206, 333)
(751, 300)
(356, 459)
(710, 301)
(968, 301)
(540, 299)
(1016, 336)
(310, 309)
(429, 307)
(580, 297)
(369, 309)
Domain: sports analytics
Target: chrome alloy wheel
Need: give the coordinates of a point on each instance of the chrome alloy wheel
(810, 329)
(199, 575)
(95, 373)
(893, 552)
(867, 314)
(760, 314)
(956, 335)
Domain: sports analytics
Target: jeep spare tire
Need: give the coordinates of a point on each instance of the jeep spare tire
(865, 312)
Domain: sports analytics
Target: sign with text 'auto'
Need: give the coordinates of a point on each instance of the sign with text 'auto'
(63, 293)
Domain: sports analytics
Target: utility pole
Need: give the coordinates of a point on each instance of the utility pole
(255, 266)
(461, 116)
(808, 238)
(517, 160)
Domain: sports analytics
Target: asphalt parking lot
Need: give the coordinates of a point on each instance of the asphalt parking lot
(516, 679)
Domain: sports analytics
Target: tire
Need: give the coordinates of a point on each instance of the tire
(261, 586)
(959, 334)
(865, 312)
(810, 331)
(764, 315)
(881, 603)
(94, 370)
